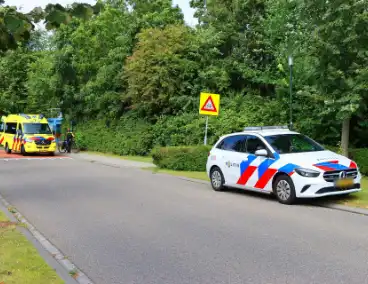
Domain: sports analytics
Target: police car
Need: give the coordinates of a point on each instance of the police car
(274, 159)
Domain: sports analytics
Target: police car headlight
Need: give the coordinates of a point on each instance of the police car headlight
(307, 172)
(28, 140)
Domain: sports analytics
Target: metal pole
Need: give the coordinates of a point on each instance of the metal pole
(205, 131)
(291, 92)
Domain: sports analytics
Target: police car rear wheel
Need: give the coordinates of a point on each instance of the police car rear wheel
(284, 190)
(217, 179)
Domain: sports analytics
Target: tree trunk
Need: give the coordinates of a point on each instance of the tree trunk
(345, 136)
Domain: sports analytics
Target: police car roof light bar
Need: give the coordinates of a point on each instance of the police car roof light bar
(257, 128)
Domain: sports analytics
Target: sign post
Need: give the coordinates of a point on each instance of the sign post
(209, 104)
(205, 131)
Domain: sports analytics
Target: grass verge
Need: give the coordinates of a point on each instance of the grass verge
(19, 260)
(194, 175)
(143, 159)
(359, 199)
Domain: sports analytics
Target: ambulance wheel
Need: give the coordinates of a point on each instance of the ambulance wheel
(217, 179)
(7, 150)
(284, 189)
(23, 151)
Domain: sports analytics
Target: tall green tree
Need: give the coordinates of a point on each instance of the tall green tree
(164, 61)
(247, 56)
(16, 27)
(338, 43)
(42, 84)
(14, 68)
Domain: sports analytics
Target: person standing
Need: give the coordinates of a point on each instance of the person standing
(69, 140)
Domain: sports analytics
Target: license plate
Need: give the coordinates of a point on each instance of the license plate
(342, 183)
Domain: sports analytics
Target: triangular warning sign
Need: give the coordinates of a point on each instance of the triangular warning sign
(209, 105)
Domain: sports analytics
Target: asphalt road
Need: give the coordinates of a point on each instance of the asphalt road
(126, 225)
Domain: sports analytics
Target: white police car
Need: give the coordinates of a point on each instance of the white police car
(276, 160)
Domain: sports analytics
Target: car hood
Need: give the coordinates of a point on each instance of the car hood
(322, 160)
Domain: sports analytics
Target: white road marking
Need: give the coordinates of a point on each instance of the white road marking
(31, 159)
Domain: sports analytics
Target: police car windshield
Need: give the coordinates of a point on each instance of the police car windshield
(292, 143)
(36, 128)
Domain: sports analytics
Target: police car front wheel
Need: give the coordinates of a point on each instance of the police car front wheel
(217, 179)
(284, 190)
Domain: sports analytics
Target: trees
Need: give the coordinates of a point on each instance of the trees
(42, 83)
(16, 27)
(338, 43)
(164, 60)
(247, 56)
(13, 80)
(122, 60)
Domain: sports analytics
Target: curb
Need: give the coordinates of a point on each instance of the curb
(355, 210)
(50, 249)
(193, 180)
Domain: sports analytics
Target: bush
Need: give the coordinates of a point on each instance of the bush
(127, 136)
(360, 156)
(192, 158)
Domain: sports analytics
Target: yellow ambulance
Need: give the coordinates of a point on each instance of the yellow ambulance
(26, 133)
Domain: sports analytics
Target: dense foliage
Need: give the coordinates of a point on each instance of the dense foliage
(130, 72)
(190, 158)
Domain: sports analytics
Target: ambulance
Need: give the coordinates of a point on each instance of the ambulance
(26, 134)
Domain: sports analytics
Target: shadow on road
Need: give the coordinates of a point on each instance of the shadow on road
(316, 202)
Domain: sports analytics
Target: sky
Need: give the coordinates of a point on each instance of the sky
(28, 5)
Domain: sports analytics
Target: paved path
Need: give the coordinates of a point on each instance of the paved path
(126, 225)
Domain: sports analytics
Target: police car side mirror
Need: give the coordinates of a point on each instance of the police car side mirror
(261, 152)
(19, 132)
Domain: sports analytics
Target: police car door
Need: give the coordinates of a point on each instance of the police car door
(260, 170)
(234, 153)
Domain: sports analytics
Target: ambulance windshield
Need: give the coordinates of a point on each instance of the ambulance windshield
(36, 128)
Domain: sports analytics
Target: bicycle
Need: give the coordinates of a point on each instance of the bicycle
(62, 147)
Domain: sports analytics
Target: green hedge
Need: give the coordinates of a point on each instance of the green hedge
(181, 158)
(123, 137)
(360, 156)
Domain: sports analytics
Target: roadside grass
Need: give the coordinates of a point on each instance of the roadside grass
(144, 159)
(194, 175)
(359, 199)
(19, 260)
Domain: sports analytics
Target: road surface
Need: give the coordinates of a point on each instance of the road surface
(127, 225)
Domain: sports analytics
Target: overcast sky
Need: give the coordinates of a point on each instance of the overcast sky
(28, 5)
